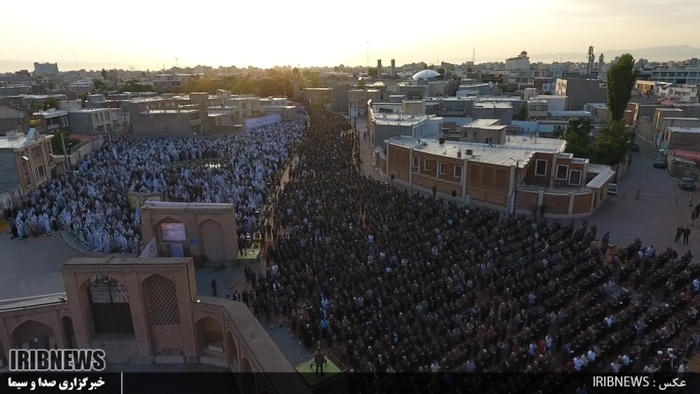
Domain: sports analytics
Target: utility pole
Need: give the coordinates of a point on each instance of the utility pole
(65, 152)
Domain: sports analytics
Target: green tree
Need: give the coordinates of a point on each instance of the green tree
(361, 84)
(612, 144)
(372, 71)
(522, 113)
(578, 137)
(103, 73)
(621, 79)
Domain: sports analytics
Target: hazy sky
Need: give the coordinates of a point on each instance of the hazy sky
(148, 34)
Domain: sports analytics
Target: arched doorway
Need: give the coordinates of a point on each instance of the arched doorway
(231, 351)
(109, 301)
(172, 236)
(248, 376)
(33, 335)
(212, 238)
(68, 333)
(209, 334)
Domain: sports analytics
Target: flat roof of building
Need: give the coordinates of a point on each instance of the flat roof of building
(170, 111)
(479, 123)
(168, 205)
(123, 260)
(50, 114)
(690, 130)
(517, 149)
(90, 110)
(680, 118)
(492, 104)
(571, 114)
(598, 105)
(17, 141)
(145, 100)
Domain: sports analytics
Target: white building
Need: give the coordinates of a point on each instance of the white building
(688, 75)
(518, 63)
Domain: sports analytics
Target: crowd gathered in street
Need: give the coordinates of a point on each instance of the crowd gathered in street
(91, 201)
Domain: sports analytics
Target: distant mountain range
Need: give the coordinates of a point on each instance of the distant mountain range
(654, 54)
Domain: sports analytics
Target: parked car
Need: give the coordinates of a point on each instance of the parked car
(612, 189)
(687, 184)
(660, 162)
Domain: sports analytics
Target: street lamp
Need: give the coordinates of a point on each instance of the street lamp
(515, 186)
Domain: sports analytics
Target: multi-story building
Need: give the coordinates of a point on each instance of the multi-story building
(679, 93)
(170, 83)
(46, 70)
(52, 120)
(687, 75)
(25, 161)
(167, 123)
(537, 108)
(503, 111)
(91, 120)
(581, 91)
(485, 131)
(12, 119)
(524, 175)
(381, 126)
(520, 62)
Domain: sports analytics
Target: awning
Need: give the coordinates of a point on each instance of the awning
(687, 154)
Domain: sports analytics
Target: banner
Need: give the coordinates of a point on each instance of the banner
(136, 200)
(263, 121)
(149, 250)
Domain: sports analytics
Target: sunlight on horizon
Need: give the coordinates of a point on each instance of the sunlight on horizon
(144, 35)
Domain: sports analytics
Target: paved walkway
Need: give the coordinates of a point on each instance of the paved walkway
(32, 266)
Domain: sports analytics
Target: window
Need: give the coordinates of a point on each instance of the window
(426, 165)
(562, 172)
(443, 168)
(458, 171)
(575, 177)
(42, 171)
(416, 163)
(541, 167)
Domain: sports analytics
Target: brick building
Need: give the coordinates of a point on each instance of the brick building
(148, 311)
(531, 172)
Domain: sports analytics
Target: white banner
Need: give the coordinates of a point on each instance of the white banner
(150, 250)
(263, 121)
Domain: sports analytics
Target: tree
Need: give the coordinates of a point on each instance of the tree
(103, 73)
(361, 84)
(621, 79)
(612, 143)
(372, 71)
(522, 113)
(578, 137)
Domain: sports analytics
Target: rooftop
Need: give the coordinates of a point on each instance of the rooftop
(18, 141)
(517, 148)
(689, 130)
(492, 104)
(50, 113)
(480, 123)
(170, 111)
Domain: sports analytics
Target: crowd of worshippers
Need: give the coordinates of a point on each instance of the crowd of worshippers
(91, 200)
(390, 280)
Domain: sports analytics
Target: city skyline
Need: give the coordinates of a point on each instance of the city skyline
(159, 37)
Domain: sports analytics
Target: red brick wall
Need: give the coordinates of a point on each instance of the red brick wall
(488, 183)
(582, 203)
(556, 203)
(527, 200)
(530, 176)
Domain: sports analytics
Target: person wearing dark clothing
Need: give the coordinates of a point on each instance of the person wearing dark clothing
(319, 360)
(679, 231)
(686, 234)
(213, 287)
